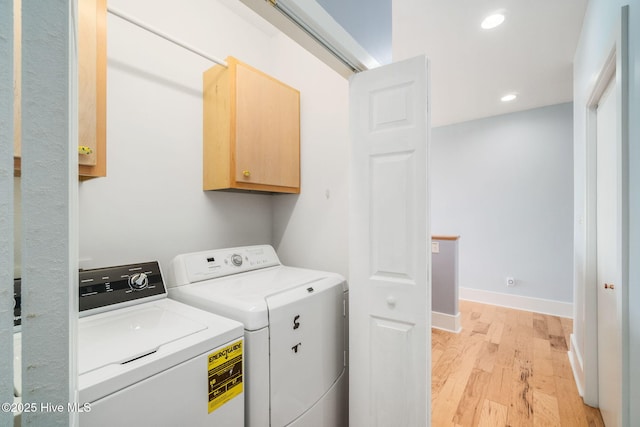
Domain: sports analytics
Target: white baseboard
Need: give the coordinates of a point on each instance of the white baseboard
(446, 322)
(575, 359)
(538, 305)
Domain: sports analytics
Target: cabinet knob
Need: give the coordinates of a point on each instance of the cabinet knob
(246, 173)
(83, 149)
(609, 286)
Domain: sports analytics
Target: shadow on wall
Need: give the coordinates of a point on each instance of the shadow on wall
(155, 78)
(239, 209)
(286, 206)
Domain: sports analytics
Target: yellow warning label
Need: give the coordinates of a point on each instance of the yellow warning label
(225, 375)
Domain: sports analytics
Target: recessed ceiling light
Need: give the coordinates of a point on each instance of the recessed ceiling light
(492, 21)
(509, 97)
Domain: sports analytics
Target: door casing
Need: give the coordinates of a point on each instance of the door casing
(615, 66)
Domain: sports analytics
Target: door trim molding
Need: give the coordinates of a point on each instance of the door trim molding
(577, 364)
(615, 66)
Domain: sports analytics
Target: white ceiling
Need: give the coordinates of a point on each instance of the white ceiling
(531, 53)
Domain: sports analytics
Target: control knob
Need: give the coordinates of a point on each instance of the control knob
(138, 281)
(236, 260)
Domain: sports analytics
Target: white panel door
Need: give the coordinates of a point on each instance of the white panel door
(389, 261)
(608, 255)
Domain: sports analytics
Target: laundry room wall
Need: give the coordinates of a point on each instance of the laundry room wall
(504, 184)
(310, 229)
(596, 41)
(151, 205)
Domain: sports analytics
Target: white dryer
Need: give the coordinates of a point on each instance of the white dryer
(144, 359)
(295, 331)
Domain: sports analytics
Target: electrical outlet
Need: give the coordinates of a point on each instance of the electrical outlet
(511, 282)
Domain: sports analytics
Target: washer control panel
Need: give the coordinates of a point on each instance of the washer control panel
(101, 287)
(199, 266)
(17, 303)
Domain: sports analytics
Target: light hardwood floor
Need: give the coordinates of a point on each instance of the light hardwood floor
(506, 368)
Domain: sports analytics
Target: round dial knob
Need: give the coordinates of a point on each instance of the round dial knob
(236, 260)
(138, 281)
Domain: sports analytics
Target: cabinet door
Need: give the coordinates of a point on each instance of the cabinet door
(267, 145)
(92, 71)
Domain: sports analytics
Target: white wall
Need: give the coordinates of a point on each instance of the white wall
(596, 41)
(6, 202)
(151, 206)
(310, 229)
(504, 184)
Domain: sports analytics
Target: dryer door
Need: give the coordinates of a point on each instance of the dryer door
(306, 327)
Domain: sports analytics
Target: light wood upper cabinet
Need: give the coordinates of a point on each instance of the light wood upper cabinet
(92, 87)
(251, 131)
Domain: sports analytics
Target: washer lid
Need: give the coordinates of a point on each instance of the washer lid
(121, 347)
(119, 339)
(123, 337)
(242, 297)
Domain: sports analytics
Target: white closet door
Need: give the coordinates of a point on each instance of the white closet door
(389, 277)
(608, 253)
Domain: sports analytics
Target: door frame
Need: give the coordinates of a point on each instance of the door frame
(615, 66)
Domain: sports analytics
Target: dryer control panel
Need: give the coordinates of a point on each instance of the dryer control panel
(198, 266)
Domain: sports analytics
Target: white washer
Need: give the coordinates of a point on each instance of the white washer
(295, 331)
(144, 359)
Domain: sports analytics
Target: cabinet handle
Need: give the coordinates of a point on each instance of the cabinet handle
(609, 286)
(83, 149)
(246, 173)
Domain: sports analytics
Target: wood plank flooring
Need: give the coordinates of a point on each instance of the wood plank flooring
(506, 368)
